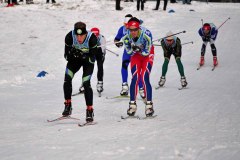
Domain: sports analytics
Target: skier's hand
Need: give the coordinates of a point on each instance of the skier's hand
(119, 44)
(69, 56)
(76, 52)
(136, 48)
(206, 38)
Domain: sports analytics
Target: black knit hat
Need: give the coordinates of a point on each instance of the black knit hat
(128, 15)
(80, 28)
(134, 19)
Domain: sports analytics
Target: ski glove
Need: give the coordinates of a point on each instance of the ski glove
(76, 52)
(68, 56)
(136, 48)
(206, 38)
(119, 44)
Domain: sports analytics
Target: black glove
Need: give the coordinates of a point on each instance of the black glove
(69, 56)
(136, 48)
(206, 38)
(119, 44)
(76, 52)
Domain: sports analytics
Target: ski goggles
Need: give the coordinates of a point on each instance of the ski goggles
(133, 29)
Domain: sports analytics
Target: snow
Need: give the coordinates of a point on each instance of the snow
(198, 123)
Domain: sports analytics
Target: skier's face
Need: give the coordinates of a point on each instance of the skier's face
(81, 38)
(206, 32)
(169, 41)
(133, 31)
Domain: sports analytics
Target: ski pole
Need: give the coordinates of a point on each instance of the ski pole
(202, 21)
(223, 23)
(112, 52)
(181, 44)
(109, 44)
(187, 43)
(168, 36)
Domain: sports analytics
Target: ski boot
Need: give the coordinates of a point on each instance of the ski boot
(162, 81)
(132, 108)
(100, 86)
(201, 63)
(89, 114)
(124, 91)
(10, 5)
(141, 92)
(215, 61)
(149, 109)
(68, 108)
(183, 81)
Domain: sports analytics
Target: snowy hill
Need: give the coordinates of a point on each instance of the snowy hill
(199, 123)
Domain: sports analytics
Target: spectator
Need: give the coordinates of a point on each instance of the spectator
(118, 5)
(53, 1)
(164, 6)
(140, 2)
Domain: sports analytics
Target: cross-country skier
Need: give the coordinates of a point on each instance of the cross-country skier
(100, 57)
(171, 45)
(80, 51)
(208, 32)
(122, 31)
(138, 44)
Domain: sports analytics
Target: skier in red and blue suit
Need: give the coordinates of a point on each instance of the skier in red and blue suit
(208, 33)
(122, 31)
(138, 44)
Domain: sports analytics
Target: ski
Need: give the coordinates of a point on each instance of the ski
(199, 67)
(62, 118)
(78, 93)
(213, 68)
(130, 117)
(147, 117)
(138, 117)
(86, 124)
(99, 94)
(119, 97)
(181, 88)
(158, 87)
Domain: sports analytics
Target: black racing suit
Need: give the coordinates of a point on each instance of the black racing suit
(100, 56)
(77, 58)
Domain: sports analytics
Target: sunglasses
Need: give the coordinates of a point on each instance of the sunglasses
(133, 30)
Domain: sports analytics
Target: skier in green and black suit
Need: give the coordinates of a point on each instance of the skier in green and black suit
(80, 51)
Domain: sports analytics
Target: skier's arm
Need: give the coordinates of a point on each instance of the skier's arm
(68, 46)
(178, 47)
(214, 33)
(165, 50)
(119, 37)
(93, 46)
(127, 45)
(147, 44)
